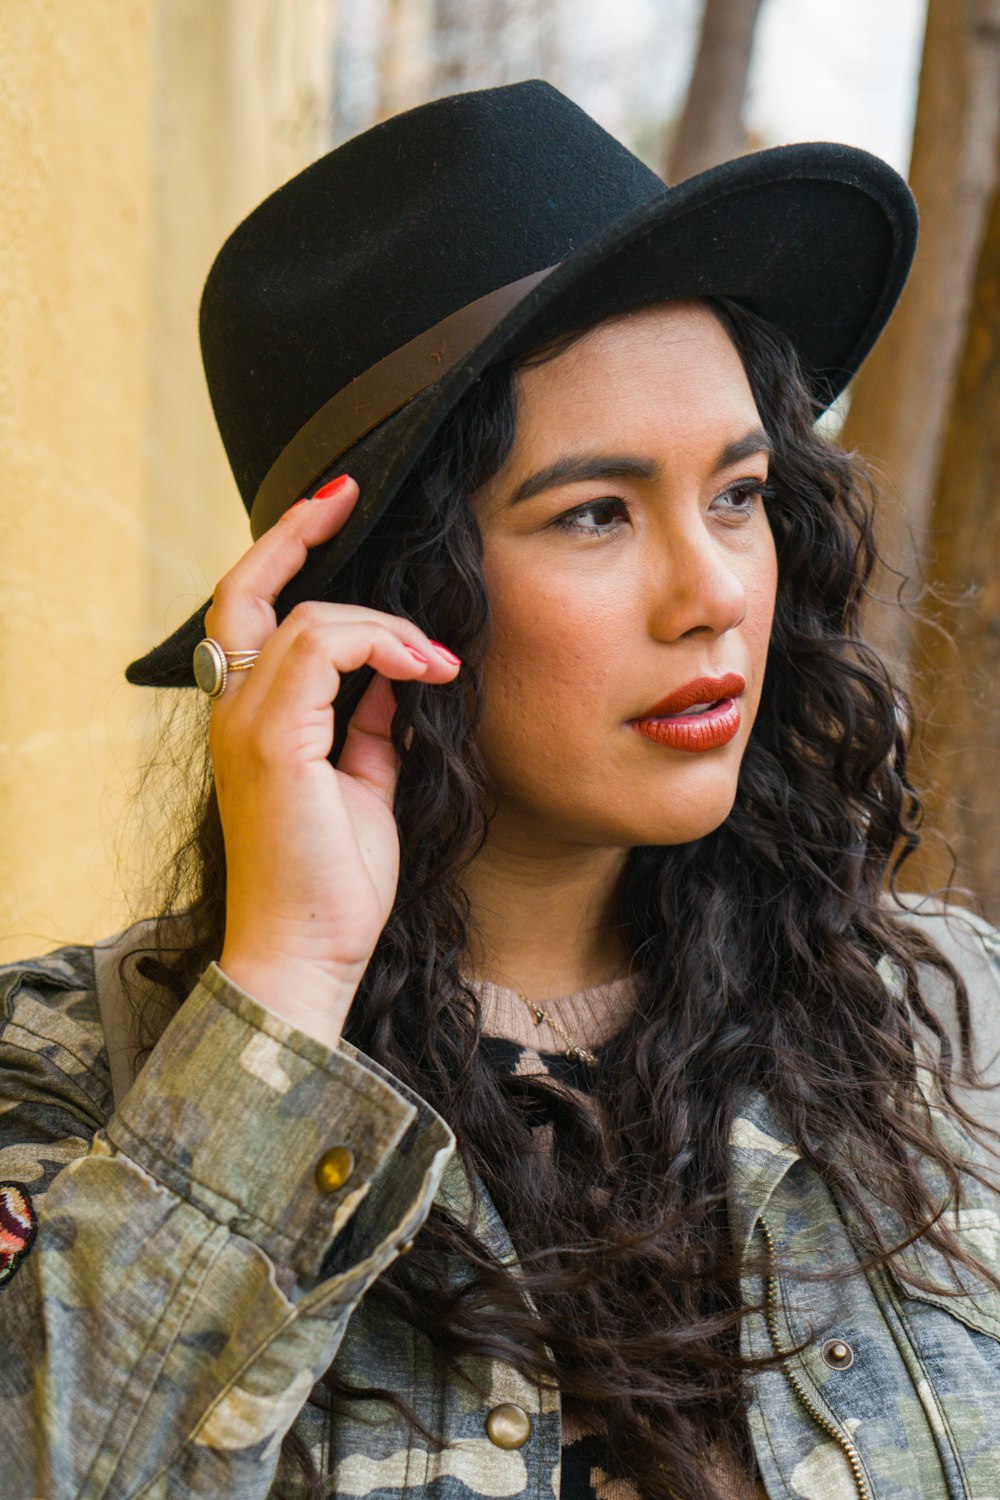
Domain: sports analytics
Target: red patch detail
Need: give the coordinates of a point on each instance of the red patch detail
(17, 1227)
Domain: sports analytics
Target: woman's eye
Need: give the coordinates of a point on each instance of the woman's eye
(744, 498)
(739, 502)
(571, 521)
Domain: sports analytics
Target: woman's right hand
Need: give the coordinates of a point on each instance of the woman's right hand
(312, 849)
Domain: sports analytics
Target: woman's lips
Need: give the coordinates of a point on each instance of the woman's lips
(704, 730)
(702, 690)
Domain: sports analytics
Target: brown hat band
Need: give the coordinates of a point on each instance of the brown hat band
(376, 394)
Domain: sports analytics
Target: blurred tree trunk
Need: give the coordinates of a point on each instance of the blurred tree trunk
(466, 56)
(957, 669)
(407, 56)
(900, 401)
(711, 127)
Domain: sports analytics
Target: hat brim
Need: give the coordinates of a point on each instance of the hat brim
(815, 238)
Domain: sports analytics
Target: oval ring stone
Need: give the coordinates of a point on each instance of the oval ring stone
(209, 662)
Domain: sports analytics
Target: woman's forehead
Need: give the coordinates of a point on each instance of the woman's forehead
(670, 362)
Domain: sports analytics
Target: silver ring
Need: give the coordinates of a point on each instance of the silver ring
(212, 665)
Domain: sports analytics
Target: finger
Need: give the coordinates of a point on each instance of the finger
(326, 624)
(369, 754)
(291, 710)
(241, 616)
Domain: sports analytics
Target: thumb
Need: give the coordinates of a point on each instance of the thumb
(369, 754)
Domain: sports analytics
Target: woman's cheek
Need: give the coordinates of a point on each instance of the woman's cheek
(759, 621)
(762, 588)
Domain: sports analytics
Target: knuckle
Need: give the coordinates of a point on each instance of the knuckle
(393, 623)
(306, 612)
(225, 591)
(255, 743)
(311, 641)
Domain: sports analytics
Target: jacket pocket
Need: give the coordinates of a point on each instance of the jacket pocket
(973, 1300)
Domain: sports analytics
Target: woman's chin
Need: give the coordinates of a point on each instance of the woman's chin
(683, 824)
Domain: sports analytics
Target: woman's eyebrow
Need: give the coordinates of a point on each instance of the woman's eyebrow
(573, 468)
(747, 446)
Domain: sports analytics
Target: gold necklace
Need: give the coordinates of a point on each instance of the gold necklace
(574, 1052)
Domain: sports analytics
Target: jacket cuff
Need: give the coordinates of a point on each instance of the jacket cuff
(262, 1127)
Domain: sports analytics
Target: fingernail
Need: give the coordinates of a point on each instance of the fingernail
(332, 488)
(414, 652)
(449, 655)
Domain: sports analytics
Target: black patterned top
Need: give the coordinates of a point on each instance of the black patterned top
(517, 1044)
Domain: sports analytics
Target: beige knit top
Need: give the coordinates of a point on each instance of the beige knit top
(589, 1017)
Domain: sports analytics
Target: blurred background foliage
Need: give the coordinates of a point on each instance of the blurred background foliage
(136, 133)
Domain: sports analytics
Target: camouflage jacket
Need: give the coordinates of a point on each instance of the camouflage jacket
(174, 1280)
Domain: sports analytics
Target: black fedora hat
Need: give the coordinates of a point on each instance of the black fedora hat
(346, 316)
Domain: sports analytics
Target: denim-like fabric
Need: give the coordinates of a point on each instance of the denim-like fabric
(189, 1283)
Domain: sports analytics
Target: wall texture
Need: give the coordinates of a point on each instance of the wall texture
(134, 135)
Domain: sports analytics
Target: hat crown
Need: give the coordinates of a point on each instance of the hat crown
(385, 236)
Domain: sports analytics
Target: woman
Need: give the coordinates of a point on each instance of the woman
(531, 1090)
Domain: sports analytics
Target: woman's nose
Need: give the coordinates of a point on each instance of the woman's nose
(695, 585)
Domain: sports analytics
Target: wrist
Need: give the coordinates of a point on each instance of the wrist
(315, 999)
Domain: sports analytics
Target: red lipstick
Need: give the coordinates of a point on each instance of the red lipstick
(714, 722)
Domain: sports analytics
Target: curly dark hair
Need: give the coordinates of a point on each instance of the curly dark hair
(755, 947)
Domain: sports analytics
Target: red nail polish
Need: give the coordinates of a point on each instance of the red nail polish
(418, 654)
(331, 488)
(445, 652)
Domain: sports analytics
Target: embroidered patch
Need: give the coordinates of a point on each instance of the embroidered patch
(17, 1227)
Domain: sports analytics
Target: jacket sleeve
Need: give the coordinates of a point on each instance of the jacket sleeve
(174, 1276)
(972, 945)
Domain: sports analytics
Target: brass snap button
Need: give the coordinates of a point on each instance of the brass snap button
(333, 1168)
(838, 1354)
(404, 1247)
(508, 1426)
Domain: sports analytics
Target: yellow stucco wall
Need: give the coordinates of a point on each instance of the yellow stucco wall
(134, 135)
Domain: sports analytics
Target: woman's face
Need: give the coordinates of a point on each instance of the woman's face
(627, 554)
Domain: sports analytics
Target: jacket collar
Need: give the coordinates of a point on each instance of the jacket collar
(760, 1155)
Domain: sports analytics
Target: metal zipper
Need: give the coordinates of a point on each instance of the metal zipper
(840, 1438)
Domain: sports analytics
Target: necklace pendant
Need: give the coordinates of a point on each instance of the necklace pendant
(574, 1052)
(580, 1054)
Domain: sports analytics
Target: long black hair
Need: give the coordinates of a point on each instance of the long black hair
(757, 950)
